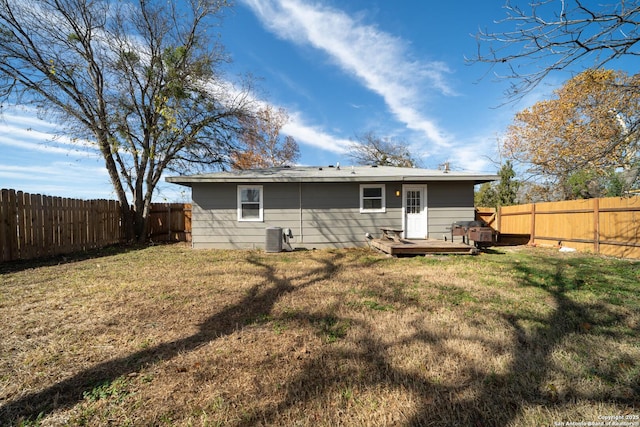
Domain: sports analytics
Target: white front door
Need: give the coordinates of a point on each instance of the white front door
(415, 212)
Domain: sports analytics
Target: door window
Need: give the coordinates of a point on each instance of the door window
(413, 202)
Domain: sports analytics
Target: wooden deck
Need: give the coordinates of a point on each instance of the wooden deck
(421, 247)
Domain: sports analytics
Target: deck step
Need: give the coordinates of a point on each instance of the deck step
(422, 247)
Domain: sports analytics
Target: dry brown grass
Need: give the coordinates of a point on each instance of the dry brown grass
(169, 336)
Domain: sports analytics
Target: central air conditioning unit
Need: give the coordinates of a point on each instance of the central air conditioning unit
(273, 239)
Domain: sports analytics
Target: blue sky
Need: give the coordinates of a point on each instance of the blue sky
(340, 69)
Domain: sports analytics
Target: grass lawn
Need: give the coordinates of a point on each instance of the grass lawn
(166, 335)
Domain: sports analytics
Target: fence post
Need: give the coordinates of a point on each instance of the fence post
(12, 227)
(28, 248)
(596, 225)
(187, 221)
(532, 237)
(169, 222)
(5, 252)
(47, 227)
(38, 233)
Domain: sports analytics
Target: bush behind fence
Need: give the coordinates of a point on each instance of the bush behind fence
(36, 226)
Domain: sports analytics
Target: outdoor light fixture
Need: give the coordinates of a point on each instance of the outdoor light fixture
(397, 193)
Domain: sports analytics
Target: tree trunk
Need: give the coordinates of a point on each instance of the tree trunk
(126, 216)
(140, 226)
(126, 213)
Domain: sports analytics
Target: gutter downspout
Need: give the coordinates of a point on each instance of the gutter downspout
(300, 210)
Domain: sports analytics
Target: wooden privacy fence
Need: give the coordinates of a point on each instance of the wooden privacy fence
(169, 222)
(608, 226)
(488, 215)
(35, 226)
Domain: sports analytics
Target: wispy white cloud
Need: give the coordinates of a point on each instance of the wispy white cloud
(380, 61)
(313, 136)
(468, 156)
(23, 116)
(296, 127)
(42, 142)
(58, 178)
(62, 189)
(55, 170)
(21, 128)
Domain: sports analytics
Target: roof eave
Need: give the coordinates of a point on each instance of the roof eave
(189, 180)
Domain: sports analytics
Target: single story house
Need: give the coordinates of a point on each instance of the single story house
(326, 206)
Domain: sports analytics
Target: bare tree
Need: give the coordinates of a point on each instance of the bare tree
(370, 149)
(141, 80)
(543, 36)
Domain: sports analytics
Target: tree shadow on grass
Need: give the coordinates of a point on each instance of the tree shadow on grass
(484, 399)
(259, 301)
(49, 261)
(536, 336)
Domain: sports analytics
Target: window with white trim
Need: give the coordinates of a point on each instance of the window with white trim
(372, 198)
(250, 203)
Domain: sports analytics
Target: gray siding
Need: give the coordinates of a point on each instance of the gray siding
(330, 214)
(448, 202)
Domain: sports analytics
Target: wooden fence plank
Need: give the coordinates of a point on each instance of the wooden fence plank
(93, 233)
(47, 226)
(50, 225)
(57, 229)
(28, 249)
(68, 225)
(5, 253)
(78, 225)
(20, 223)
(596, 226)
(532, 217)
(97, 223)
(108, 226)
(38, 224)
(73, 205)
(114, 227)
(55, 225)
(57, 240)
(84, 232)
(102, 223)
(12, 228)
(82, 224)
(188, 209)
(106, 237)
